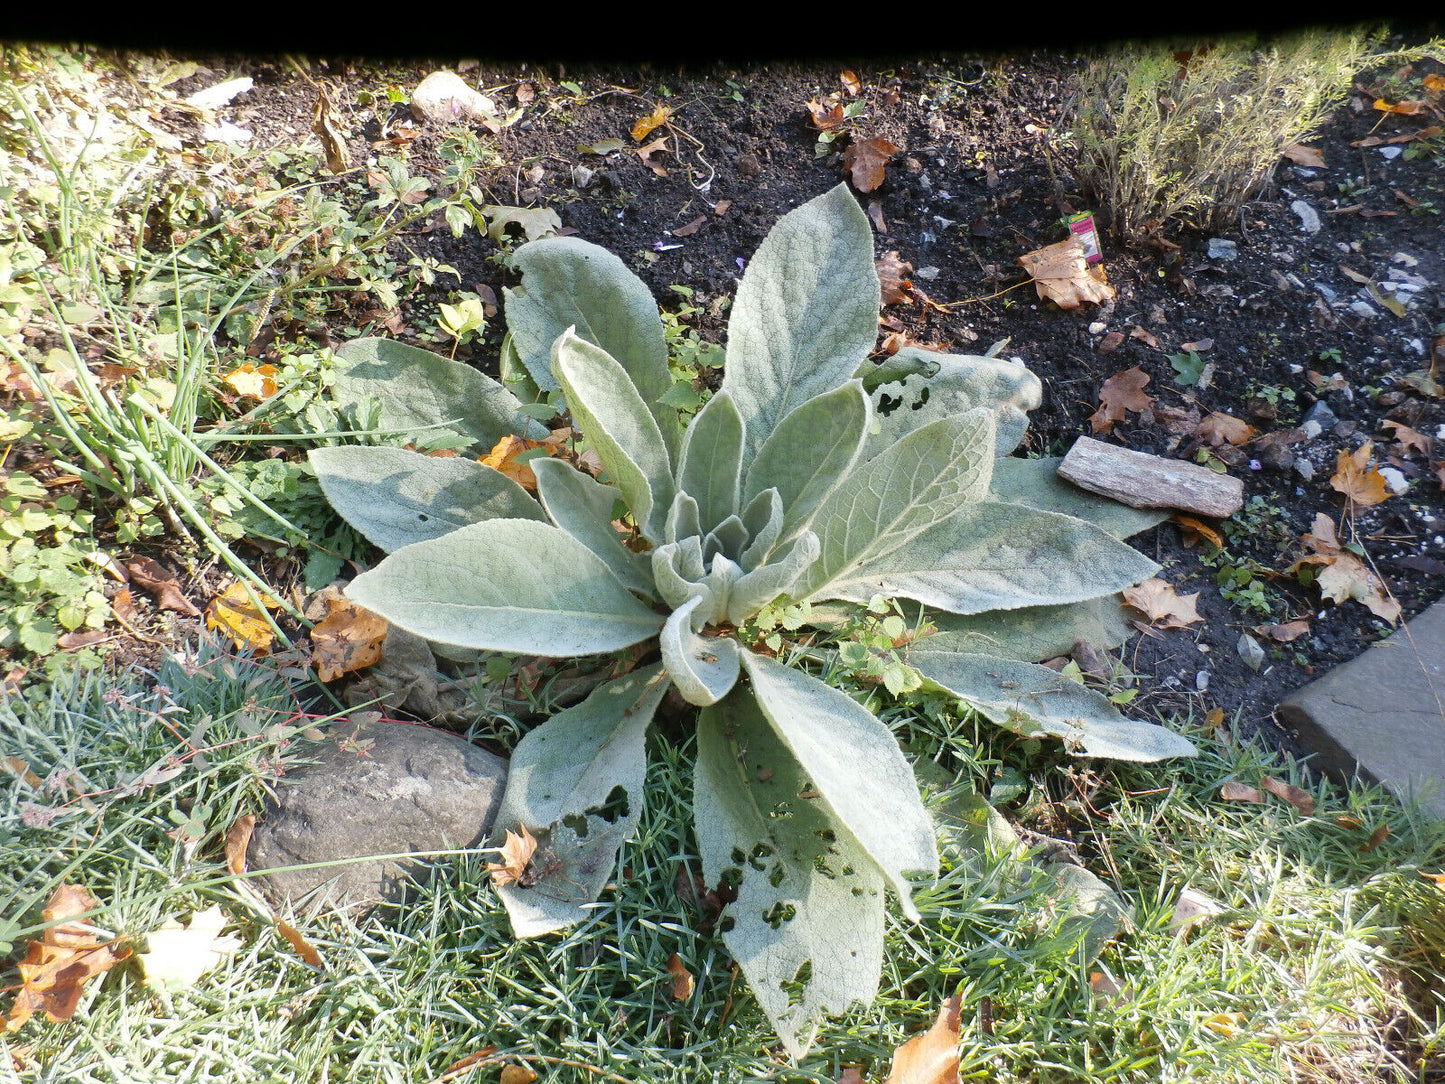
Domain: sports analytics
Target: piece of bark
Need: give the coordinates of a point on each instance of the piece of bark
(1141, 480)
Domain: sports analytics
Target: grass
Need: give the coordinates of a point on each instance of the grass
(1332, 956)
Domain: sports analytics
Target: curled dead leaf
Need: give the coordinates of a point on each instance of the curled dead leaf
(932, 1057)
(516, 851)
(682, 980)
(160, 582)
(233, 612)
(1356, 479)
(238, 838)
(300, 945)
(865, 160)
(349, 638)
(1240, 792)
(645, 126)
(56, 967)
(1302, 800)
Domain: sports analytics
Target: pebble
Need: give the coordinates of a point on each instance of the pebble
(1359, 308)
(1250, 651)
(1390, 152)
(1220, 249)
(1309, 219)
(1321, 416)
(1201, 681)
(1397, 482)
(1304, 468)
(1312, 429)
(1098, 327)
(1327, 293)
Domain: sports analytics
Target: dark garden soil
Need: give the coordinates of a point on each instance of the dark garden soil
(1295, 318)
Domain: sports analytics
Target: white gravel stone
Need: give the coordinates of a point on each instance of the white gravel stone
(1309, 218)
(1397, 482)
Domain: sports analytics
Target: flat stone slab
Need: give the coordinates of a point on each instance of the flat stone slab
(1382, 713)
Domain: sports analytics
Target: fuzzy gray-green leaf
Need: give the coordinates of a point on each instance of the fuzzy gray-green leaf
(711, 461)
(1034, 701)
(579, 778)
(703, 668)
(806, 313)
(789, 912)
(918, 483)
(396, 497)
(994, 556)
(810, 451)
(582, 506)
(962, 383)
(612, 415)
(419, 390)
(507, 585)
(1031, 633)
(855, 766)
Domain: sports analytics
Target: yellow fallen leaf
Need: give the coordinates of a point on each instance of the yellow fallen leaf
(1356, 479)
(1437, 879)
(650, 123)
(1225, 1023)
(1162, 605)
(349, 638)
(249, 379)
(179, 955)
(233, 613)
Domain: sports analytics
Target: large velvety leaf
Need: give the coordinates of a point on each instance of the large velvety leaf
(568, 282)
(805, 315)
(614, 418)
(396, 497)
(711, 460)
(1036, 483)
(1031, 633)
(882, 506)
(507, 585)
(582, 506)
(418, 389)
(752, 823)
(810, 451)
(855, 766)
(961, 383)
(993, 556)
(703, 668)
(1036, 702)
(576, 783)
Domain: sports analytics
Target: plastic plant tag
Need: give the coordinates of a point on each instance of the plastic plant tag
(1081, 226)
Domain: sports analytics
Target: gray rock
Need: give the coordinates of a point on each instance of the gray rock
(1220, 249)
(1360, 308)
(374, 788)
(1321, 415)
(1309, 218)
(1380, 714)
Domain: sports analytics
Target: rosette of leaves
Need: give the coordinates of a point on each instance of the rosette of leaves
(811, 475)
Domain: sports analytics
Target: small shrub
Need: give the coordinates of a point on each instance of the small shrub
(811, 475)
(1167, 132)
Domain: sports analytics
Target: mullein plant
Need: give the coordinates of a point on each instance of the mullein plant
(813, 474)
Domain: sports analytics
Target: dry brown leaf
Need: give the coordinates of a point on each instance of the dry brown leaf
(1356, 479)
(1111, 342)
(123, 606)
(70, 641)
(893, 277)
(504, 453)
(1301, 155)
(864, 160)
(1107, 991)
(1062, 275)
(160, 582)
(1344, 820)
(1302, 800)
(650, 123)
(1240, 792)
(338, 160)
(690, 229)
(233, 612)
(17, 767)
(826, 118)
(1198, 347)
(1410, 107)
(1411, 440)
(850, 83)
(517, 851)
(517, 1074)
(851, 1075)
(682, 980)
(652, 153)
(56, 967)
(299, 944)
(1162, 605)
(1221, 428)
(1284, 633)
(1378, 836)
(721, 208)
(1343, 575)
(932, 1057)
(1146, 337)
(238, 838)
(1121, 393)
(349, 638)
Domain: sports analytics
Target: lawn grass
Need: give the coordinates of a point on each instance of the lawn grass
(1330, 955)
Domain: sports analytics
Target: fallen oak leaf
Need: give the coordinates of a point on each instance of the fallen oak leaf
(865, 160)
(652, 153)
(1302, 800)
(1121, 393)
(516, 851)
(1162, 605)
(1221, 428)
(850, 83)
(1300, 155)
(931, 1057)
(1063, 275)
(893, 277)
(1437, 879)
(1411, 107)
(1342, 575)
(177, 955)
